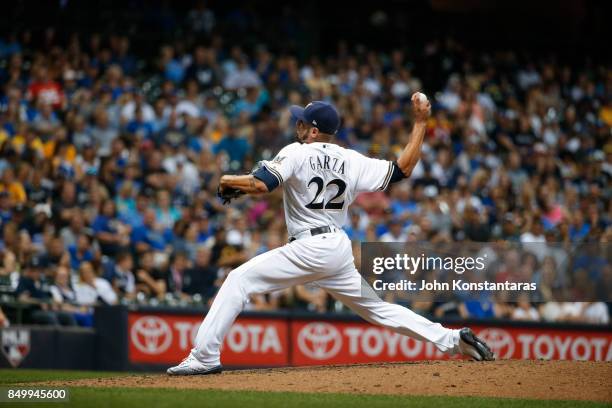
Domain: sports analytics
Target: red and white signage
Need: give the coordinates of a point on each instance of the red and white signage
(318, 343)
(548, 344)
(167, 338)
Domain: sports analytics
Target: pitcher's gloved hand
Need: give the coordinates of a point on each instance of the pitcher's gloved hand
(227, 194)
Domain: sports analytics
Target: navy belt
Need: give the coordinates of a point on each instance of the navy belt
(314, 231)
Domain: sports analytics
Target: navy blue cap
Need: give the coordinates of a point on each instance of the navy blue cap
(321, 115)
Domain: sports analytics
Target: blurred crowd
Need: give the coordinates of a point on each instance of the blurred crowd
(553, 282)
(109, 161)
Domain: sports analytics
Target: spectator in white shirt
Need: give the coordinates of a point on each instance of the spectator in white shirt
(61, 291)
(91, 289)
(596, 313)
(242, 77)
(524, 310)
(396, 232)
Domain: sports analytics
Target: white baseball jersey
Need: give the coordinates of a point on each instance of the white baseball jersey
(320, 181)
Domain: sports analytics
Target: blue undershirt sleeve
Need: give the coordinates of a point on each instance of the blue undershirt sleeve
(269, 179)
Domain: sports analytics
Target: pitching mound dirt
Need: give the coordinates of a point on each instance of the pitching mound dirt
(563, 380)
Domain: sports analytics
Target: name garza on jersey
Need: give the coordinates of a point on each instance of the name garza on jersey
(328, 163)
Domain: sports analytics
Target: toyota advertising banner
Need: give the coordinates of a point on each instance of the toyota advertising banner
(160, 338)
(167, 338)
(321, 342)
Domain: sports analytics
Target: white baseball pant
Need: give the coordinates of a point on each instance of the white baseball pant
(326, 259)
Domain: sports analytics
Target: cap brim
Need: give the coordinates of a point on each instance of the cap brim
(297, 112)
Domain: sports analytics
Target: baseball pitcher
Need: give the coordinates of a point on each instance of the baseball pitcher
(319, 181)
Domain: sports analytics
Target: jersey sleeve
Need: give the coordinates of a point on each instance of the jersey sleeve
(284, 164)
(372, 174)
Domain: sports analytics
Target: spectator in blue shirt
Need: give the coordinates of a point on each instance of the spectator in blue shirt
(253, 102)
(119, 274)
(149, 236)
(236, 147)
(80, 252)
(109, 231)
(138, 127)
(579, 228)
(403, 205)
(172, 67)
(354, 230)
(133, 216)
(166, 213)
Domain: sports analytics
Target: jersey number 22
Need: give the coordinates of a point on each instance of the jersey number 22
(331, 204)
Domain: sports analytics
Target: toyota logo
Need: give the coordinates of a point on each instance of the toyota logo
(319, 341)
(499, 340)
(151, 335)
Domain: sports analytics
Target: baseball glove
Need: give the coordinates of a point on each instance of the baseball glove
(228, 194)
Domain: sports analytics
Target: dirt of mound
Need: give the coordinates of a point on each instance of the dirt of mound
(560, 380)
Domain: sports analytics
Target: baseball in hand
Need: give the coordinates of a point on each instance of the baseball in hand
(421, 97)
(420, 106)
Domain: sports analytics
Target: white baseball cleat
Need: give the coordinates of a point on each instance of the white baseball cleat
(192, 366)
